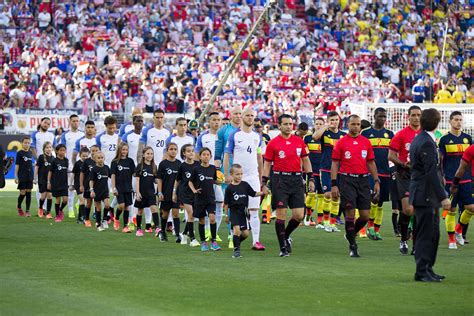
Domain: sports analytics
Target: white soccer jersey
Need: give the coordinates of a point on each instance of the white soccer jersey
(207, 140)
(180, 141)
(39, 138)
(69, 139)
(156, 139)
(108, 145)
(84, 142)
(133, 141)
(244, 148)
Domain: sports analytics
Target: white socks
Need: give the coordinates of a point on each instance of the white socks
(219, 214)
(147, 216)
(255, 226)
(70, 201)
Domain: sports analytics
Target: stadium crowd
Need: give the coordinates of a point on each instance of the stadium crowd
(314, 54)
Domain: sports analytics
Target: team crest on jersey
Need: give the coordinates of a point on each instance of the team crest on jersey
(169, 171)
(99, 176)
(236, 196)
(145, 174)
(385, 135)
(281, 154)
(26, 158)
(364, 153)
(187, 175)
(465, 141)
(60, 168)
(46, 163)
(120, 168)
(407, 146)
(201, 177)
(298, 151)
(347, 155)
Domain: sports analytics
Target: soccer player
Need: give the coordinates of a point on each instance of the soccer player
(89, 163)
(267, 214)
(288, 153)
(58, 181)
(180, 138)
(244, 146)
(202, 183)
(236, 201)
(146, 175)
(24, 175)
(41, 136)
(380, 138)
(155, 136)
(127, 127)
(167, 174)
(399, 154)
(353, 158)
(88, 140)
(69, 139)
(452, 147)
(76, 171)
(459, 190)
(182, 193)
(329, 135)
(122, 171)
(99, 190)
(108, 140)
(315, 200)
(43, 164)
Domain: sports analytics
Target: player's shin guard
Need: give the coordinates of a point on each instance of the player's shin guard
(20, 201)
(378, 218)
(292, 225)
(219, 214)
(450, 222)
(280, 232)
(125, 218)
(147, 215)
(319, 206)
(255, 226)
(404, 221)
(49, 205)
(334, 211)
(28, 201)
(326, 210)
(373, 214)
(70, 201)
(464, 220)
(349, 223)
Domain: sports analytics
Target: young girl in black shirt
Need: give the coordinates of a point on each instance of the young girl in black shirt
(122, 170)
(84, 180)
(146, 177)
(76, 170)
(43, 164)
(99, 188)
(182, 193)
(24, 175)
(57, 181)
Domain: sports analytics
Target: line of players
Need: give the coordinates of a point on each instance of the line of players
(247, 150)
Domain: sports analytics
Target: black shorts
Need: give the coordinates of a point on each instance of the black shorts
(125, 198)
(145, 202)
(288, 191)
(43, 187)
(60, 193)
(101, 196)
(384, 188)
(238, 217)
(203, 210)
(78, 192)
(186, 198)
(25, 185)
(355, 192)
(87, 193)
(168, 205)
(403, 182)
(394, 196)
(317, 183)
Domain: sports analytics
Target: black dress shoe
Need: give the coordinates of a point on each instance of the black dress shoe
(425, 278)
(437, 276)
(354, 252)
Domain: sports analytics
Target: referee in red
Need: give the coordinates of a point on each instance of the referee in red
(352, 160)
(288, 153)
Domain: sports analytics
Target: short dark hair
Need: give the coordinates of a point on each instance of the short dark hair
(136, 117)
(284, 116)
(180, 119)
(183, 150)
(110, 120)
(353, 116)
(213, 113)
(58, 147)
(320, 119)
(95, 146)
(454, 113)
(413, 107)
(25, 137)
(89, 122)
(378, 110)
(332, 113)
(203, 149)
(430, 119)
(84, 150)
(158, 111)
(171, 144)
(303, 126)
(364, 124)
(45, 118)
(73, 116)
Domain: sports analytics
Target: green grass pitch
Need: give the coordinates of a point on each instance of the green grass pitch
(66, 269)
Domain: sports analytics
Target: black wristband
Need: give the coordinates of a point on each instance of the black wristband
(456, 180)
(309, 176)
(265, 180)
(333, 183)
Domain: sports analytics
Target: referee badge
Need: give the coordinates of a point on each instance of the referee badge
(364, 153)
(347, 155)
(298, 151)
(281, 154)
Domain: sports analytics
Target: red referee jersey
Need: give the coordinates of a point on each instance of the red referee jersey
(286, 154)
(468, 157)
(353, 154)
(401, 142)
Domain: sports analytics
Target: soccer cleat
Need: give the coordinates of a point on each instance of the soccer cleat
(218, 238)
(100, 228)
(403, 247)
(162, 235)
(378, 236)
(215, 246)
(452, 245)
(131, 226)
(157, 232)
(320, 226)
(105, 224)
(288, 243)
(40, 213)
(334, 228)
(397, 233)
(258, 246)
(139, 233)
(20, 212)
(371, 233)
(58, 219)
(328, 228)
(184, 239)
(27, 214)
(149, 230)
(208, 235)
(71, 214)
(311, 223)
(339, 221)
(459, 239)
(116, 224)
(231, 244)
(178, 239)
(126, 230)
(305, 222)
(236, 254)
(363, 233)
(49, 216)
(284, 252)
(465, 240)
(204, 246)
(194, 243)
(87, 223)
(354, 252)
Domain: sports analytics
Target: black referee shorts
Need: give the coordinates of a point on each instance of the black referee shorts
(403, 182)
(288, 191)
(394, 196)
(355, 192)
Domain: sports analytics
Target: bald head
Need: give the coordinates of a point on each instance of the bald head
(236, 116)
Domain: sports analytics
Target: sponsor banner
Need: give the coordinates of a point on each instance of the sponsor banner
(28, 121)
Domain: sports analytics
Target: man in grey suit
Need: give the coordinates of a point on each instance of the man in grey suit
(427, 194)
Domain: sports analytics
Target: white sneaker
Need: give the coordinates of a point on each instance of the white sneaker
(184, 239)
(459, 239)
(319, 226)
(100, 229)
(335, 229)
(194, 243)
(452, 245)
(105, 225)
(328, 228)
(305, 222)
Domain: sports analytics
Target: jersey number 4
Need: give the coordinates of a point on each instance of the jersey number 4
(249, 150)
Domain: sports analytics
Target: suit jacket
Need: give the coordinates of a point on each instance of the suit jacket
(426, 184)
